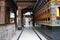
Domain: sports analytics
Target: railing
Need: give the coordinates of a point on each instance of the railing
(45, 22)
(58, 22)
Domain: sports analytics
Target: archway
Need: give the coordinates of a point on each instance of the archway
(27, 18)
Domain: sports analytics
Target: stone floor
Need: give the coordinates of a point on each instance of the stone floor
(28, 34)
(16, 35)
(53, 33)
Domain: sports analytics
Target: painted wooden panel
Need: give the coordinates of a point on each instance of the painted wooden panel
(58, 0)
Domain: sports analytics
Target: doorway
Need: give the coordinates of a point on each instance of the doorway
(27, 19)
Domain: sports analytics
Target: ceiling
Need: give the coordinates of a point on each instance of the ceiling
(25, 0)
(25, 3)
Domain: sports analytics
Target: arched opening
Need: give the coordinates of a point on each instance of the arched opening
(27, 18)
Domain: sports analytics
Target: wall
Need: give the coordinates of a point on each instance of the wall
(48, 13)
(7, 32)
(43, 15)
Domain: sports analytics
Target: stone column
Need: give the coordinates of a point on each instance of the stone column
(2, 12)
(56, 29)
(53, 13)
(19, 17)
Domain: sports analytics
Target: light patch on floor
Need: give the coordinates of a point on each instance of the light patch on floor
(16, 35)
(29, 34)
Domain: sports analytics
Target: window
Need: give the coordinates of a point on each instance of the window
(48, 19)
(48, 10)
(12, 15)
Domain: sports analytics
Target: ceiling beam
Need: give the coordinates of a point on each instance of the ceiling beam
(25, 1)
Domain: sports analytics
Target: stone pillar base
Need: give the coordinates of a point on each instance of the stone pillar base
(19, 28)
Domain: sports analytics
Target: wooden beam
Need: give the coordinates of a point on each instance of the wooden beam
(12, 4)
(25, 1)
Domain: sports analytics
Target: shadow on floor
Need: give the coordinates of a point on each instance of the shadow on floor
(52, 33)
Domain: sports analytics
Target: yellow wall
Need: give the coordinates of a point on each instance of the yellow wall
(57, 11)
(44, 15)
(58, 0)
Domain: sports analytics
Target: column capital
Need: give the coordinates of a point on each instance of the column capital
(2, 3)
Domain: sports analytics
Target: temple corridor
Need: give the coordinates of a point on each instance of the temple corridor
(29, 19)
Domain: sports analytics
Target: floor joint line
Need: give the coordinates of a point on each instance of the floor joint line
(36, 33)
